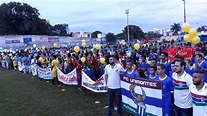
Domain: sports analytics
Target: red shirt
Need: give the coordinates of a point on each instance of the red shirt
(97, 63)
(79, 70)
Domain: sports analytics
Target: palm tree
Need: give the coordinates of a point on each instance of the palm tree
(175, 28)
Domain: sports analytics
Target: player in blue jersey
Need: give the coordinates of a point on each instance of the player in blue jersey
(152, 63)
(87, 71)
(167, 89)
(143, 65)
(172, 68)
(189, 68)
(201, 64)
(152, 74)
(131, 72)
(164, 60)
(153, 55)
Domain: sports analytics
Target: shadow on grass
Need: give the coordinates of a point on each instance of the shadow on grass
(21, 95)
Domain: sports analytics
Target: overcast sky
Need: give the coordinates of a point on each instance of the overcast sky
(109, 15)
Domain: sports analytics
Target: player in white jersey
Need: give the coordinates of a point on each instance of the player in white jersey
(181, 83)
(199, 94)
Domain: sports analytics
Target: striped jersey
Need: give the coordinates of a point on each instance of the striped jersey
(199, 100)
(182, 97)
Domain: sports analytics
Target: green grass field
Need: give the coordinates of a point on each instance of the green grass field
(21, 95)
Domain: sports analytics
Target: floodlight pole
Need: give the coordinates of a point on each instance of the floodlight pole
(127, 13)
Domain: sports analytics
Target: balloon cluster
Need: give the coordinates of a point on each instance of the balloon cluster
(192, 35)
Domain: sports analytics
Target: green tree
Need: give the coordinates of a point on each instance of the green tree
(110, 37)
(175, 28)
(94, 34)
(151, 34)
(120, 35)
(202, 28)
(21, 18)
(60, 29)
(135, 32)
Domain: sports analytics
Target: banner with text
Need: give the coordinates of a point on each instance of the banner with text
(44, 73)
(95, 86)
(141, 97)
(69, 79)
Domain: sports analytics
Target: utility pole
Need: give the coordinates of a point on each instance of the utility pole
(127, 13)
(184, 11)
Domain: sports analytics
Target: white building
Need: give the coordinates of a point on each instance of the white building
(101, 35)
(158, 31)
(168, 33)
(82, 34)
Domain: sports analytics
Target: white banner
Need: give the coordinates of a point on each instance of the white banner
(34, 69)
(95, 86)
(44, 73)
(69, 79)
(20, 66)
(141, 97)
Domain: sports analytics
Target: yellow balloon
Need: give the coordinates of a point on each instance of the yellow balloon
(102, 60)
(196, 40)
(84, 44)
(193, 32)
(43, 47)
(41, 59)
(186, 27)
(83, 59)
(98, 46)
(76, 49)
(55, 45)
(48, 20)
(187, 38)
(94, 46)
(83, 41)
(136, 46)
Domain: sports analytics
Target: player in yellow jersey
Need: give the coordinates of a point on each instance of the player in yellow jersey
(54, 65)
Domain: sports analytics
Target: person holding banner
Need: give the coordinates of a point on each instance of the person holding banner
(54, 67)
(33, 66)
(152, 73)
(113, 82)
(61, 67)
(87, 71)
(167, 89)
(131, 72)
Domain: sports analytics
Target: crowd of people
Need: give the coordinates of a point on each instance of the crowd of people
(183, 77)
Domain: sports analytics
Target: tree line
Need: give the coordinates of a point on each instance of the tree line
(22, 19)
